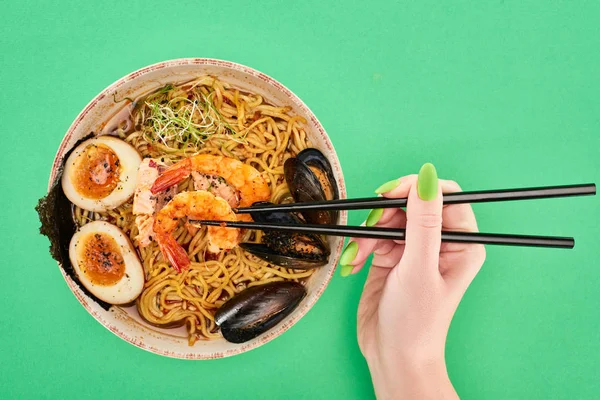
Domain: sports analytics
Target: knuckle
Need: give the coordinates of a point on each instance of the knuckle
(429, 221)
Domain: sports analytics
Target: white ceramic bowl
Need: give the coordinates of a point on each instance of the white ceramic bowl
(125, 322)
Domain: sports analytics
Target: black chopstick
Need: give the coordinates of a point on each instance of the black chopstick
(399, 234)
(481, 196)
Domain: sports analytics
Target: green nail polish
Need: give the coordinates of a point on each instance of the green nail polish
(427, 183)
(346, 270)
(374, 216)
(349, 254)
(386, 187)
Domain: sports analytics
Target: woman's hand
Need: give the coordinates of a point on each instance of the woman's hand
(413, 288)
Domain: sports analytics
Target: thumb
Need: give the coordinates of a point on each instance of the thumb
(424, 222)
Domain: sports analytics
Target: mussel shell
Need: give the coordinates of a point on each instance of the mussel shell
(258, 309)
(267, 254)
(280, 217)
(56, 216)
(317, 161)
(287, 249)
(306, 187)
(306, 246)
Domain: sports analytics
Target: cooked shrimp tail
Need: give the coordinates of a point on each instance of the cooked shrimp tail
(172, 176)
(176, 255)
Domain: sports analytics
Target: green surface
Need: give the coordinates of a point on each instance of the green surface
(497, 95)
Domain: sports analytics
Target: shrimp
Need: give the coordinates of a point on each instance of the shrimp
(197, 205)
(217, 186)
(251, 186)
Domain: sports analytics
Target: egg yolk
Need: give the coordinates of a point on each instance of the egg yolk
(101, 259)
(97, 172)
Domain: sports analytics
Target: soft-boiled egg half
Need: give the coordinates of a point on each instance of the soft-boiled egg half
(100, 174)
(106, 263)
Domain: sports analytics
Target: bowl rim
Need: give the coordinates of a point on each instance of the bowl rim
(253, 344)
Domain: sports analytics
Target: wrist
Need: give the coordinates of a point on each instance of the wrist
(411, 376)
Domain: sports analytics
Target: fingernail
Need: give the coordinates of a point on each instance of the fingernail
(348, 255)
(427, 183)
(346, 270)
(386, 187)
(374, 216)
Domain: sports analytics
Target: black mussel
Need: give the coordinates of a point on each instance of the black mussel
(258, 309)
(321, 167)
(280, 217)
(56, 216)
(287, 261)
(304, 246)
(310, 178)
(306, 187)
(288, 249)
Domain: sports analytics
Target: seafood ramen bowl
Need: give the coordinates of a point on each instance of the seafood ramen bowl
(162, 149)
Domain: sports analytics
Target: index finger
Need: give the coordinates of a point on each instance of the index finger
(457, 217)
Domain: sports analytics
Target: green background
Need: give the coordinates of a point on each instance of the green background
(496, 94)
